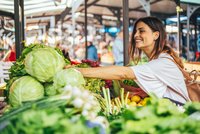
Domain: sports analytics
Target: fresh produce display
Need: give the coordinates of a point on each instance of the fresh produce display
(64, 114)
(114, 107)
(159, 116)
(108, 84)
(91, 63)
(44, 98)
(38, 62)
(136, 100)
(93, 84)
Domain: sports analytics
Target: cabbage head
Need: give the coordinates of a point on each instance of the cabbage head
(24, 89)
(69, 76)
(44, 63)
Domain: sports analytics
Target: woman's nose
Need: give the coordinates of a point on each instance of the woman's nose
(136, 34)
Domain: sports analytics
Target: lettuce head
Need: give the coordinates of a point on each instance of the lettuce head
(69, 76)
(24, 89)
(44, 63)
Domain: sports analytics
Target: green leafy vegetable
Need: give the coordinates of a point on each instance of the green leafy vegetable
(94, 85)
(130, 83)
(68, 77)
(49, 89)
(25, 89)
(43, 63)
(46, 116)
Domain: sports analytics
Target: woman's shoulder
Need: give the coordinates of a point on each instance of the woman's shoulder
(162, 58)
(163, 61)
(164, 55)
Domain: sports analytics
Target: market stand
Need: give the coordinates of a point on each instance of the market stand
(161, 116)
(69, 103)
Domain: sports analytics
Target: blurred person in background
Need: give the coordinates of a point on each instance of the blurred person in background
(118, 49)
(91, 49)
(79, 51)
(11, 54)
(106, 56)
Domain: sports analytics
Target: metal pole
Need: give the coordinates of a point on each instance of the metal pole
(188, 30)
(125, 31)
(195, 37)
(190, 10)
(18, 26)
(178, 10)
(22, 19)
(73, 24)
(86, 51)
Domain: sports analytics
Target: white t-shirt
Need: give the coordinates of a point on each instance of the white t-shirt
(156, 75)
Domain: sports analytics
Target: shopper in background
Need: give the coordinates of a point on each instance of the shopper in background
(159, 74)
(11, 54)
(91, 50)
(118, 49)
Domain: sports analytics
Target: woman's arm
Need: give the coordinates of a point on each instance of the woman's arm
(108, 72)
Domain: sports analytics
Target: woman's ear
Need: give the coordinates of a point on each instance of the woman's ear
(156, 35)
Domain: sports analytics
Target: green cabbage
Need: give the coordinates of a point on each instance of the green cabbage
(25, 89)
(43, 63)
(69, 76)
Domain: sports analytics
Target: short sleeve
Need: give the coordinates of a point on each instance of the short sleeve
(158, 75)
(148, 81)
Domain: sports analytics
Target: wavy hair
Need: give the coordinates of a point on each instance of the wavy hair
(160, 46)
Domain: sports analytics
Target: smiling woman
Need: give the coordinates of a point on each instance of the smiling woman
(160, 74)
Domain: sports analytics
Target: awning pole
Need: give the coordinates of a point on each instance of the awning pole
(86, 51)
(126, 31)
(19, 26)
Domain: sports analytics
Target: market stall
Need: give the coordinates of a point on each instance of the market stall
(41, 95)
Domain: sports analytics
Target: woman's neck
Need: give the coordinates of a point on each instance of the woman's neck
(148, 50)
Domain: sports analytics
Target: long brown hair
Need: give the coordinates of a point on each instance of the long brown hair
(160, 44)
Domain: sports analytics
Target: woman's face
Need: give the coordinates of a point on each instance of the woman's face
(144, 36)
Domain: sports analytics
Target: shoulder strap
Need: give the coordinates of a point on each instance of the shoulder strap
(184, 74)
(177, 93)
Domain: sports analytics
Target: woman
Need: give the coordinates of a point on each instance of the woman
(160, 74)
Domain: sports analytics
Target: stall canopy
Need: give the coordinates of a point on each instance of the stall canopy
(106, 12)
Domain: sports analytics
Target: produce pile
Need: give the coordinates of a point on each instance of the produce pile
(43, 97)
(158, 117)
(40, 85)
(36, 67)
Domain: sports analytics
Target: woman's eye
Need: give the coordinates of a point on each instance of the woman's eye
(142, 31)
